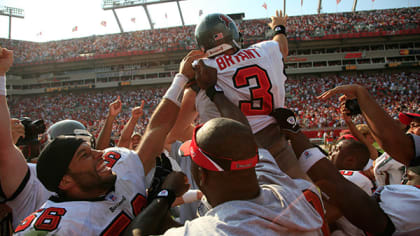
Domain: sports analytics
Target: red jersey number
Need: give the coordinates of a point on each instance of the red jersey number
(112, 158)
(261, 102)
(315, 201)
(48, 220)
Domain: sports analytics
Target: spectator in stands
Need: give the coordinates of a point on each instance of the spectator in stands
(307, 27)
(129, 139)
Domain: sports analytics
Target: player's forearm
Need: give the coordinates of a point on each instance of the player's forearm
(228, 109)
(283, 43)
(105, 134)
(127, 132)
(5, 130)
(182, 129)
(352, 201)
(349, 198)
(154, 138)
(384, 129)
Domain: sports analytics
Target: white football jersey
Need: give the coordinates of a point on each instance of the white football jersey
(108, 215)
(388, 168)
(253, 79)
(29, 196)
(401, 204)
(359, 179)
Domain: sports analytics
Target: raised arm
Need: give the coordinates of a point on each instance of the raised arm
(392, 139)
(353, 202)
(372, 150)
(105, 134)
(13, 167)
(165, 114)
(184, 127)
(128, 129)
(278, 24)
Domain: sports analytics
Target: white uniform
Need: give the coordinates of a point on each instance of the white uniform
(108, 215)
(345, 227)
(282, 208)
(29, 196)
(252, 79)
(359, 179)
(387, 167)
(402, 205)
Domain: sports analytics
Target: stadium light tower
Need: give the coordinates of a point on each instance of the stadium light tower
(354, 5)
(116, 4)
(319, 6)
(11, 12)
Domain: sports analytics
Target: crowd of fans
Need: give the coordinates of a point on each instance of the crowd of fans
(299, 28)
(396, 92)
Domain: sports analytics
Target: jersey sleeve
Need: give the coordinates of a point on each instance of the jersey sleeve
(122, 160)
(30, 196)
(270, 47)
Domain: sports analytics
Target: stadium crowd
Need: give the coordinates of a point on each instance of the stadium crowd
(299, 28)
(247, 170)
(396, 92)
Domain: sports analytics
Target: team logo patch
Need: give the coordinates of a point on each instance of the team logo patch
(193, 154)
(291, 120)
(218, 36)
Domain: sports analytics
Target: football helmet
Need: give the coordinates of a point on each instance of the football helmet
(70, 128)
(217, 33)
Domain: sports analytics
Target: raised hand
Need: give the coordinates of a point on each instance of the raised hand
(6, 60)
(137, 112)
(206, 76)
(177, 182)
(278, 19)
(185, 67)
(115, 107)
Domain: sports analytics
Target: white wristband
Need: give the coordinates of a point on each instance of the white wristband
(3, 85)
(190, 196)
(309, 157)
(176, 90)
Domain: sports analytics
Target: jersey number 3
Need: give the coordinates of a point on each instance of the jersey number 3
(261, 102)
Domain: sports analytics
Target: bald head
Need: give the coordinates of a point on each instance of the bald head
(350, 155)
(224, 137)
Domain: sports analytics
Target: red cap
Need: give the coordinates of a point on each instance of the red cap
(407, 117)
(348, 137)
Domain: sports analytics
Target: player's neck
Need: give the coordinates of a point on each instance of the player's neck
(231, 191)
(77, 194)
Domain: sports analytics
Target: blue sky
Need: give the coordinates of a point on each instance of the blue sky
(47, 20)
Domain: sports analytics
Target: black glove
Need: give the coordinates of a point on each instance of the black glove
(163, 168)
(286, 120)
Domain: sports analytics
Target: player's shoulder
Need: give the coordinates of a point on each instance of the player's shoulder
(59, 218)
(266, 44)
(122, 159)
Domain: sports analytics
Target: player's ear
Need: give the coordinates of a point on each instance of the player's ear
(66, 182)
